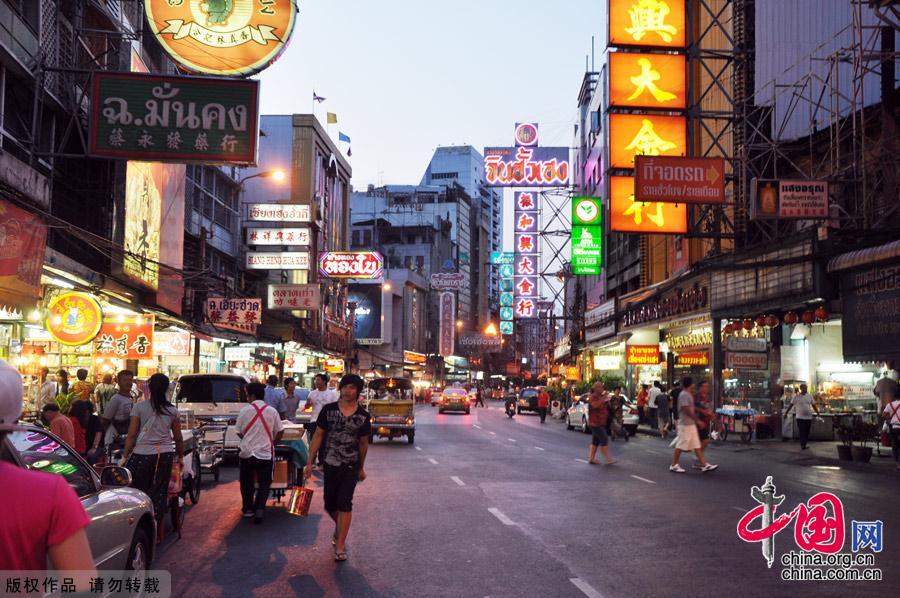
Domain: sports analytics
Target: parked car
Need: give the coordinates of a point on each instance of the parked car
(577, 414)
(435, 395)
(528, 400)
(630, 416)
(216, 399)
(122, 529)
(454, 399)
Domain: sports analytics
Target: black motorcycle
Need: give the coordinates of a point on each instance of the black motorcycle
(510, 408)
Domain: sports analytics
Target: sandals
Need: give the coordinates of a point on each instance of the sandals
(340, 557)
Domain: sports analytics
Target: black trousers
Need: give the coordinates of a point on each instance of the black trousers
(259, 470)
(151, 474)
(542, 411)
(803, 426)
(654, 420)
(895, 443)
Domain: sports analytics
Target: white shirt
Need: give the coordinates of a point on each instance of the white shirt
(256, 442)
(803, 406)
(320, 398)
(48, 392)
(893, 411)
(651, 398)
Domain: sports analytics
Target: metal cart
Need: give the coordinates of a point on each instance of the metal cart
(211, 450)
(739, 421)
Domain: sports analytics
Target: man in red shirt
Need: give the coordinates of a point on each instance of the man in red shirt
(543, 403)
(59, 424)
(598, 415)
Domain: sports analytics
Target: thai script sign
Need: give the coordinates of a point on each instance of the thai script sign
(697, 358)
(221, 310)
(500, 258)
(74, 318)
(454, 281)
(679, 180)
(125, 337)
(294, 296)
(351, 264)
(334, 365)
(701, 338)
(526, 166)
(278, 212)
(222, 37)
(746, 361)
(653, 23)
(751, 345)
(278, 236)
(447, 319)
(675, 303)
(413, 357)
(792, 200)
(278, 260)
(137, 116)
(642, 354)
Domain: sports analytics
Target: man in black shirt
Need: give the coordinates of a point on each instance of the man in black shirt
(344, 426)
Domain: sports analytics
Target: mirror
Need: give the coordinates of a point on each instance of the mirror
(114, 475)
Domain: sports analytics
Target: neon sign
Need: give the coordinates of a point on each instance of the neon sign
(526, 166)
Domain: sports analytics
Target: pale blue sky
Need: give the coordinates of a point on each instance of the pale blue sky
(406, 76)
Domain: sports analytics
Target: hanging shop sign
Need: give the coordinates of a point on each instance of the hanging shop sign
(871, 313)
(642, 354)
(74, 318)
(788, 199)
(449, 281)
(526, 166)
(680, 342)
(368, 320)
(573, 374)
(334, 365)
(174, 344)
(157, 118)
(587, 211)
(221, 310)
(679, 180)
(746, 345)
(746, 361)
(678, 302)
(607, 362)
(294, 297)
(351, 264)
(647, 80)
(587, 250)
(506, 313)
(414, 358)
(125, 337)
(277, 260)
(500, 258)
(222, 37)
(23, 239)
(295, 362)
(647, 23)
(629, 216)
(696, 358)
(526, 134)
(233, 354)
(447, 319)
(278, 212)
(645, 134)
(278, 236)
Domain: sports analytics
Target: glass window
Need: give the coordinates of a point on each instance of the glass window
(40, 452)
(210, 389)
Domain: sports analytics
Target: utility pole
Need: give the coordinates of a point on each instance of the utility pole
(203, 294)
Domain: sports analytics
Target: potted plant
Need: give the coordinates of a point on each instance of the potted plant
(864, 432)
(844, 431)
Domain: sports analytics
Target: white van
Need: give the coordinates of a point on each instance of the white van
(215, 399)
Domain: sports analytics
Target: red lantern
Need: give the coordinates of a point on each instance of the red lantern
(791, 318)
(808, 317)
(761, 321)
(772, 321)
(728, 329)
(821, 313)
(748, 324)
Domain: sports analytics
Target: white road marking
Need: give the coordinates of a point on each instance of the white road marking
(499, 515)
(637, 477)
(476, 426)
(492, 433)
(418, 448)
(432, 461)
(458, 481)
(581, 460)
(539, 448)
(585, 587)
(512, 439)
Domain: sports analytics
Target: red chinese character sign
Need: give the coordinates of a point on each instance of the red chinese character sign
(447, 317)
(235, 312)
(125, 337)
(526, 263)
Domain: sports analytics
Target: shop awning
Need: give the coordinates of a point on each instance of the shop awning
(865, 257)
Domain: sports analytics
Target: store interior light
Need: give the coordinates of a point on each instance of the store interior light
(34, 315)
(176, 329)
(225, 341)
(60, 283)
(66, 275)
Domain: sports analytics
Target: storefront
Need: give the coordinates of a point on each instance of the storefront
(604, 353)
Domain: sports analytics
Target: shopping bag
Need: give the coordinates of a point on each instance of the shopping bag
(885, 439)
(175, 480)
(301, 499)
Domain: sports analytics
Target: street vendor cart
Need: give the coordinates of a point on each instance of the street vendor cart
(738, 420)
(290, 458)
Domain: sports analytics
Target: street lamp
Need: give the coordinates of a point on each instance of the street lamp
(491, 330)
(459, 324)
(277, 174)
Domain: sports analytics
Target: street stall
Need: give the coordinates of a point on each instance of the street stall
(291, 454)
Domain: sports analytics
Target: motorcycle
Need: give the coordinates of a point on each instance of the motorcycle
(510, 409)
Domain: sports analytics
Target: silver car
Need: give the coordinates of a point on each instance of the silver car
(577, 415)
(122, 527)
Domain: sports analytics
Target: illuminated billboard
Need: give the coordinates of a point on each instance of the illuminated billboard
(526, 166)
(629, 216)
(647, 135)
(647, 23)
(647, 80)
(368, 322)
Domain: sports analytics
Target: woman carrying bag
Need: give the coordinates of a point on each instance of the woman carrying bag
(149, 447)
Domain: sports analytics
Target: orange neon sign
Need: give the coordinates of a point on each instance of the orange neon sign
(645, 134)
(629, 216)
(659, 23)
(647, 80)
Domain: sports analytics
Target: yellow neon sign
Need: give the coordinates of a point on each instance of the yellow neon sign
(647, 23)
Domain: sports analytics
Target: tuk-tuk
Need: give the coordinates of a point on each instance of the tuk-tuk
(392, 404)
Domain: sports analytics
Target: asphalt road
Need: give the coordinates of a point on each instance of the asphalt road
(486, 506)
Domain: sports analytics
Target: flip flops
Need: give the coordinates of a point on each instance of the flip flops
(340, 557)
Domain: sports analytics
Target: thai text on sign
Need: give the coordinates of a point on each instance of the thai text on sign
(679, 180)
(221, 310)
(351, 264)
(276, 212)
(294, 296)
(526, 166)
(642, 354)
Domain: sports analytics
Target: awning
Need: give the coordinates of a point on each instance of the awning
(865, 257)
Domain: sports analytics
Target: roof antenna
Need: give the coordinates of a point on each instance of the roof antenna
(592, 53)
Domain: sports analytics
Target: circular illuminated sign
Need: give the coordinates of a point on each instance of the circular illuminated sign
(74, 318)
(222, 37)
(526, 134)
(587, 210)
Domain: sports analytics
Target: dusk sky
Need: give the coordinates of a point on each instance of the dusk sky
(405, 76)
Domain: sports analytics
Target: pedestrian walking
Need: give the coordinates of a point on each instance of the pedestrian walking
(479, 396)
(317, 399)
(891, 414)
(343, 430)
(275, 397)
(662, 413)
(803, 406)
(598, 416)
(543, 403)
(705, 416)
(291, 400)
(688, 437)
(153, 445)
(62, 382)
(59, 424)
(116, 416)
(885, 387)
(259, 428)
(642, 397)
(83, 389)
(48, 387)
(43, 520)
(655, 391)
(104, 392)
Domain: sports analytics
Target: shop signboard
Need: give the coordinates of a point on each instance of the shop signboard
(746, 361)
(278, 236)
(587, 211)
(647, 23)
(295, 362)
(159, 118)
(871, 313)
(746, 345)
(695, 358)
(414, 358)
(645, 134)
(526, 166)
(223, 310)
(24, 179)
(174, 344)
(677, 302)
(642, 354)
(294, 297)
(447, 319)
(788, 199)
(506, 313)
(222, 37)
(600, 322)
(507, 298)
(125, 337)
(368, 323)
(277, 260)
(474, 343)
(607, 362)
(679, 180)
(692, 339)
(351, 264)
(279, 212)
(526, 134)
(500, 258)
(237, 354)
(506, 286)
(334, 365)
(587, 250)
(643, 80)
(629, 216)
(572, 374)
(23, 239)
(449, 281)
(74, 318)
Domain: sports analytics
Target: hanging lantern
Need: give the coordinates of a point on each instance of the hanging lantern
(748, 324)
(821, 313)
(772, 321)
(761, 321)
(808, 317)
(728, 329)
(791, 318)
